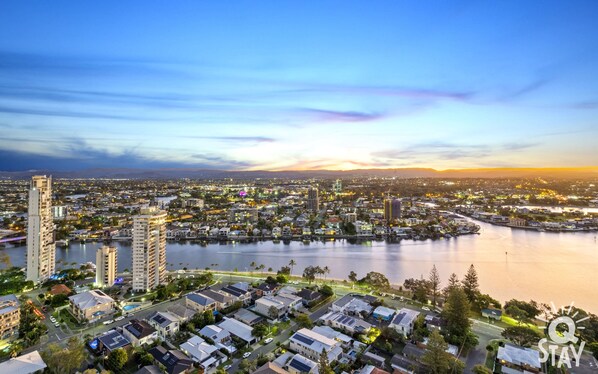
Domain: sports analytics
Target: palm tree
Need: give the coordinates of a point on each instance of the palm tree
(326, 270)
(291, 264)
(253, 264)
(15, 349)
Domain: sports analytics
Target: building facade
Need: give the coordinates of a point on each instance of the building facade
(313, 200)
(392, 209)
(106, 264)
(10, 317)
(41, 250)
(149, 249)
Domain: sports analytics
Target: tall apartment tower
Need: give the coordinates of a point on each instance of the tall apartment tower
(106, 265)
(392, 209)
(149, 249)
(313, 200)
(337, 186)
(41, 250)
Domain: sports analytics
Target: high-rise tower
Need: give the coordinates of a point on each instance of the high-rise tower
(149, 249)
(41, 250)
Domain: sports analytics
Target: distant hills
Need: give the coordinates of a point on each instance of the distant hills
(116, 173)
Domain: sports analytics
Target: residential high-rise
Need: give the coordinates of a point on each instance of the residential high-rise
(149, 249)
(41, 250)
(106, 265)
(337, 186)
(313, 200)
(10, 317)
(392, 209)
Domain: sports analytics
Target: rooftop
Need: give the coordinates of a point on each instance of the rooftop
(139, 329)
(24, 364)
(519, 355)
(90, 299)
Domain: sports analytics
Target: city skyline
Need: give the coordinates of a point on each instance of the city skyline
(274, 86)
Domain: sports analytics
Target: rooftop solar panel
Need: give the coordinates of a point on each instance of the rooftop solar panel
(300, 366)
(304, 339)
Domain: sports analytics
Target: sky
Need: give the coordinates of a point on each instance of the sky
(283, 85)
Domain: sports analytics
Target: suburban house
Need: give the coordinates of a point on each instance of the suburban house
(309, 297)
(404, 320)
(346, 323)
(175, 361)
(91, 305)
(199, 303)
(383, 313)
(239, 292)
(492, 313)
(352, 306)
(248, 317)
(205, 354)
(270, 368)
(220, 337)
(310, 344)
(165, 323)
(109, 341)
(222, 299)
(238, 329)
(267, 289)
(516, 359)
(283, 303)
(301, 365)
(139, 332)
(27, 363)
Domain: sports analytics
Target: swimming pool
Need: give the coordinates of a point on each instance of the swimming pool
(129, 307)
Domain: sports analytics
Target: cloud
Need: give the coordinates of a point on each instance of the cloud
(235, 139)
(339, 116)
(74, 114)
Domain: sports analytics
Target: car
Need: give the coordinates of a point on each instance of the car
(269, 340)
(52, 319)
(425, 308)
(119, 318)
(56, 324)
(108, 322)
(246, 354)
(228, 367)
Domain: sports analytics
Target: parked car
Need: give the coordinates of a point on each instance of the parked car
(119, 318)
(108, 322)
(246, 354)
(425, 308)
(269, 340)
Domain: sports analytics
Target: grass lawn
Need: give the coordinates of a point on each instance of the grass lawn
(63, 315)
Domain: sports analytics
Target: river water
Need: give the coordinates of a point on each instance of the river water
(511, 263)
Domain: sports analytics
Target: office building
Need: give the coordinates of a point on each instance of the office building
(313, 200)
(149, 249)
(337, 186)
(41, 250)
(106, 265)
(392, 209)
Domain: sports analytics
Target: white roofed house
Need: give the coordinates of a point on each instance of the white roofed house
(403, 321)
(91, 305)
(310, 344)
(283, 303)
(238, 329)
(205, 354)
(28, 363)
(515, 359)
(221, 337)
(165, 323)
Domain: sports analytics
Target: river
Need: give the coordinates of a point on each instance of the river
(511, 263)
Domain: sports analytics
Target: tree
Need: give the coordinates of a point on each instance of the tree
(146, 359)
(64, 360)
(326, 271)
(453, 282)
(522, 335)
(208, 317)
(326, 290)
(519, 314)
(309, 274)
(434, 281)
(260, 330)
(420, 289)
(117, 359)
(247, 365)
(292, 264)
(456, 313)
(304, 321)
(470, 284)
(375, 280)
(273, 312)
(481, 369)
(323, 365)
(281, 278)
(436, 358)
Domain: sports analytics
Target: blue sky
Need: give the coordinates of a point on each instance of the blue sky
(298, 85)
